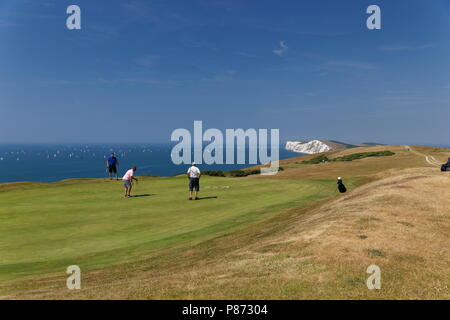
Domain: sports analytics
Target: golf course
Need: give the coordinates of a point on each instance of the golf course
(287, 236)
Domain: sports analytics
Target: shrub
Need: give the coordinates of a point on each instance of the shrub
(213, 173)
(362, 155)
(376, 252)
(254, 171)
(237, 173)
(233, 173)
(350, 157)
(316, 160)
(243, 173)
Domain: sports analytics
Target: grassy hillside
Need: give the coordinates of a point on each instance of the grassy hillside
(288, 236)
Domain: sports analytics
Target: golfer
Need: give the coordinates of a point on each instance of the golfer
(194, 180)
(128, 181)
(111, 165)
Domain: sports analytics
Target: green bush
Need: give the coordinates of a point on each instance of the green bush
(362, 155)
(237, 173)
(213, 173)
(233, 173)
(350, 157)
(243, 173)
(376, 252)
(316, 160)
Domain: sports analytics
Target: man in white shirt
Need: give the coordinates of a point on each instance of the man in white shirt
(128, 181)
(194, 180)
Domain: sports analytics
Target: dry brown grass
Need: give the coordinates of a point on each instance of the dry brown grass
(367, 168)
(400, 222)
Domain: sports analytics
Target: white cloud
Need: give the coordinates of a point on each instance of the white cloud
(281, 50)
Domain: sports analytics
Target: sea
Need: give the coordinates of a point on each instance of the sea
(54, 162)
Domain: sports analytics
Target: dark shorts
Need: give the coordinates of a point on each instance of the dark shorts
(112, 169)
(194, 184)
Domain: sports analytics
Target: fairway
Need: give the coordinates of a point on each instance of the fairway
(46, 227)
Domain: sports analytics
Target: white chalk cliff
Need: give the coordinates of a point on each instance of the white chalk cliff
(310, 147)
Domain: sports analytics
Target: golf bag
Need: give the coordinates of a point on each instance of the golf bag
(446, 166)
(341, 187)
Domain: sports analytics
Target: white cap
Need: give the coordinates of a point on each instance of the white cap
(339, 178)
(193, 163)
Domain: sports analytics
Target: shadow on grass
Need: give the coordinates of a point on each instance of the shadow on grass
(206, 198)
(143, 195)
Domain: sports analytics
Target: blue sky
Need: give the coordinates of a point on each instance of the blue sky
(140, 69)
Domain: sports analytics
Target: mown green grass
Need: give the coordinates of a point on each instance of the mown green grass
(45, 228)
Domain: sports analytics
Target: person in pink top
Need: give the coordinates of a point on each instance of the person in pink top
(128, 181)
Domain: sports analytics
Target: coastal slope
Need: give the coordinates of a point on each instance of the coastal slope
(289, 236)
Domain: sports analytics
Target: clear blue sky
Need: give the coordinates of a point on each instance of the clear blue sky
(140, 69)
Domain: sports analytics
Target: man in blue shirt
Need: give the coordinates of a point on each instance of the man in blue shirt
(111, 165)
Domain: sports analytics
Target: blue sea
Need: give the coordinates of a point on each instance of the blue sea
(51, 162)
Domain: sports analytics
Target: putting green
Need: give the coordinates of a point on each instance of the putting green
(45, 228)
